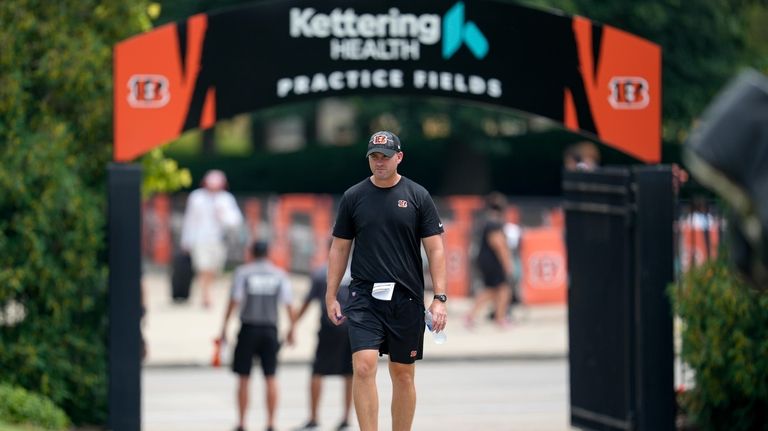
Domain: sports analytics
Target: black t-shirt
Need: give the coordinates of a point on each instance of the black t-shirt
(387, 225)
(486, 256)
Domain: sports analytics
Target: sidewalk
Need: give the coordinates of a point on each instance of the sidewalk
(182, 334)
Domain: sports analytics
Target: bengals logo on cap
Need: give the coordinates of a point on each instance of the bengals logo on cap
(380, 139)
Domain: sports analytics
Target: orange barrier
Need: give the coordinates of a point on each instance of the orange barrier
(542, 249)
(458, 234)
(156, 233)
(545, 273)
(318, 209)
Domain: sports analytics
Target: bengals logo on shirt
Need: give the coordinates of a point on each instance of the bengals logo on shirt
(402, 203)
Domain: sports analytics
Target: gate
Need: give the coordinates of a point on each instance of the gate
(619, 239)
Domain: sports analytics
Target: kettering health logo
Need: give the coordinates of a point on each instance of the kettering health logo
(456, 31)
(390, 36)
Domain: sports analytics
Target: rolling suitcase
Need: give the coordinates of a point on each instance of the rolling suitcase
(181, 277)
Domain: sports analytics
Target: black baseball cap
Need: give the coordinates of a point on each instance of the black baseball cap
(259, 248)
(383, 142)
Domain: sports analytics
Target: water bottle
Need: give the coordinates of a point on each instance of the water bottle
(437, 337)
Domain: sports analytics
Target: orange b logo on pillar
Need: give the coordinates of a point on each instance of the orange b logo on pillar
(148, 91)
(628, 92)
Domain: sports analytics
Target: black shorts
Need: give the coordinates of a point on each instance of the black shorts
(333, 356)
(493, 274)
(394, 328)
(256, 340)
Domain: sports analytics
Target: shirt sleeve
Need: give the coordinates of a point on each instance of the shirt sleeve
(286, 290)
(344, 226)
(430, 223)
(238, 287)
(230, 213)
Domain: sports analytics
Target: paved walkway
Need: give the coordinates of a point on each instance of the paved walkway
(183, 334)
(484, 378)
(499, 395)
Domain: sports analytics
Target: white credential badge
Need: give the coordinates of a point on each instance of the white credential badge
(383, 291)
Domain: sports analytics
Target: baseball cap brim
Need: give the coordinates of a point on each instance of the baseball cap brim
(386, 151)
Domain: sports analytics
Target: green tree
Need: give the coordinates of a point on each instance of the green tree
(55, 143)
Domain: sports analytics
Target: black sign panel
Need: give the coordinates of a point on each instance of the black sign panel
(211, 67)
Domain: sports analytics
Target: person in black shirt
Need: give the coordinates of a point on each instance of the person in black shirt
(389, 217)
(333, 355)
(494, 262)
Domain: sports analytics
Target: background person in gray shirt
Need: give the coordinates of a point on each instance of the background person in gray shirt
(258, 287)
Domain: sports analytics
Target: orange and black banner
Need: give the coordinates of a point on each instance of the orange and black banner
(592, 78)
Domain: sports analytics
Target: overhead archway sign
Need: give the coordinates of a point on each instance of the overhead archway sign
(592, 78)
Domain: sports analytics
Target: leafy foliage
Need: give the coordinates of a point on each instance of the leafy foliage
(725, 341)
(19, 406)
(55, 134)
(50, 239)
(162, 174)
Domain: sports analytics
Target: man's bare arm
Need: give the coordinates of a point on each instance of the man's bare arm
(338, 257)
(435, 249)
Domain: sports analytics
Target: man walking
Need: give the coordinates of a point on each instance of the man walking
(258, 287)
(389, 217)
(495, 263)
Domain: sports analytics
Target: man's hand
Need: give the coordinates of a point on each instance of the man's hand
(223, 335)
(334, 312)
(439, 315)
(291, 334)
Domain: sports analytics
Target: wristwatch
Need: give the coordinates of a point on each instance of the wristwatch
(441, 298)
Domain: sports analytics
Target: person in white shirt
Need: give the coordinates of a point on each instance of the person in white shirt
(211, 210)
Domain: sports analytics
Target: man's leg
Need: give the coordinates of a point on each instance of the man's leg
(481, 299)
(347, 398)
(242, 399)
(272, 395)
(207, 278)
(403, 395)
(504, 294)
(315, 390)
(364, 363)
